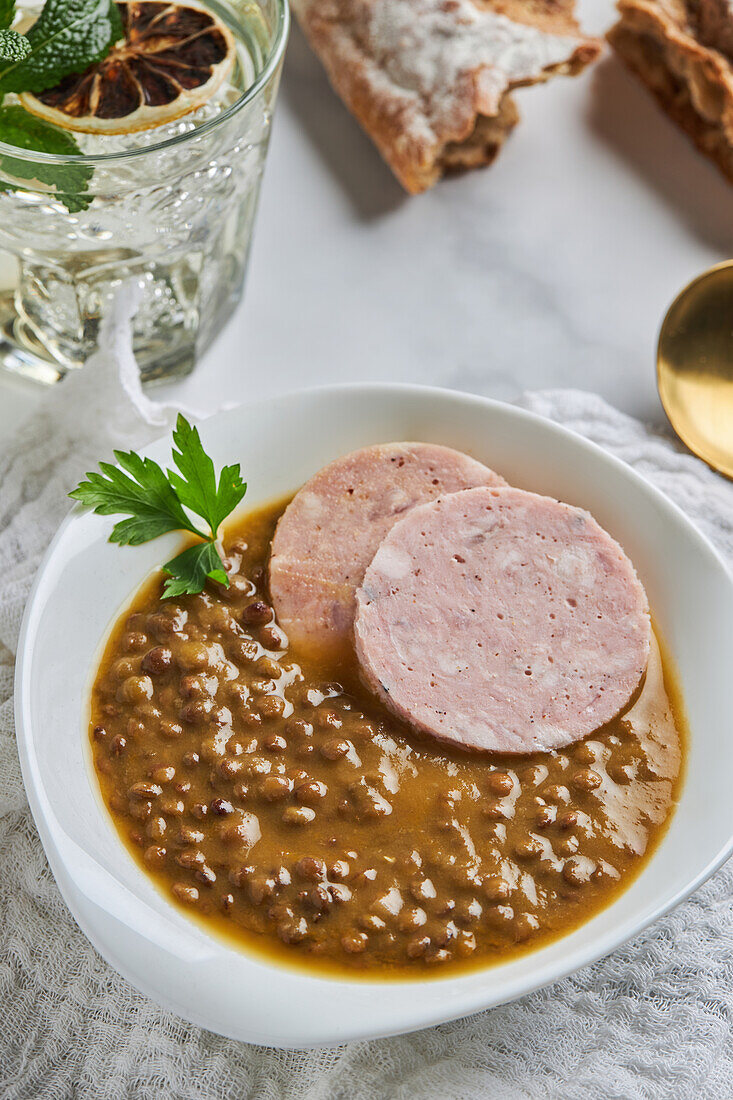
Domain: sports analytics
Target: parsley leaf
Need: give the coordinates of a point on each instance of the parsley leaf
(188, 572)
(24, 130)
(67, 37)
(7, 13)
(145, 496)
(13, 46)
(197, 488)
(157, 502)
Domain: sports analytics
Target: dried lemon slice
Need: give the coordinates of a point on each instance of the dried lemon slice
(170, 62)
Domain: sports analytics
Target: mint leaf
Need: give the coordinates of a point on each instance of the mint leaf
(145, 496)
(190, 570)
(7, 13)
(19, 128)
(197, 488)
(68, 37)
(13, 46)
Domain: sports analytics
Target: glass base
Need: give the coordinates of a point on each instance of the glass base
(26, 358)
(51, 311)
(24, 355)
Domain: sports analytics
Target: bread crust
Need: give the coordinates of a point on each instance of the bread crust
(670, 48)
(430, 80)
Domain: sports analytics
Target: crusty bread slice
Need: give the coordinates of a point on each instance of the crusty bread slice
(683, 54)
(429, 80)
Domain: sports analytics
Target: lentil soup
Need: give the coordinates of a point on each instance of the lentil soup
(271, 795)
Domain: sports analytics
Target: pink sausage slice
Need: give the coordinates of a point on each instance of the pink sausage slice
(331, 529)
(502, 620)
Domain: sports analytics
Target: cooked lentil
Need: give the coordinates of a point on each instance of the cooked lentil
(274, 796)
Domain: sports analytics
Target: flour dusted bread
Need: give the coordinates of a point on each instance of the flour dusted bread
(429, 80)
(683, 52)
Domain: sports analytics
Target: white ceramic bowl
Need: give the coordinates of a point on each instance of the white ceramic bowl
(85, 581)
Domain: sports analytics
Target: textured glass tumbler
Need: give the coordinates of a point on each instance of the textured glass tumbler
(173, 208)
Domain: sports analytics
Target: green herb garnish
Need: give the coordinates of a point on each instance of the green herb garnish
(7, 13)
(159, 501)
(67, 37)
(17, 127)
(13, 46)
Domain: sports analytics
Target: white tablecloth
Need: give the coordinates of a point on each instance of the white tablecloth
(651, 1021)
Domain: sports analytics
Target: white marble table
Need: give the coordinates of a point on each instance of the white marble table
(552, 268)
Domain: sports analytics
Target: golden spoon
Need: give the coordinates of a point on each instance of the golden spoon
(695, 366)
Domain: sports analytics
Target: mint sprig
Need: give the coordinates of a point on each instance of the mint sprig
(156, 501)
(7, 13)
(19, 128)
(13, 46)
(67, 37)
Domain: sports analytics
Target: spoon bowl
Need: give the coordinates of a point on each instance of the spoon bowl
(695, 366)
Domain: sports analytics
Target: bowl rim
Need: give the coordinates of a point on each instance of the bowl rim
(470, 1001)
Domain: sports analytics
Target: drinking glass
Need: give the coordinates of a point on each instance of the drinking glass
(172, 207)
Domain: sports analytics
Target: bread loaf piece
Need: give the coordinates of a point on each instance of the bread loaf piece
(430, 80)
(683, 52)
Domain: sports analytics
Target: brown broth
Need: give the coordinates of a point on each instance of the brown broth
(376, 852)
